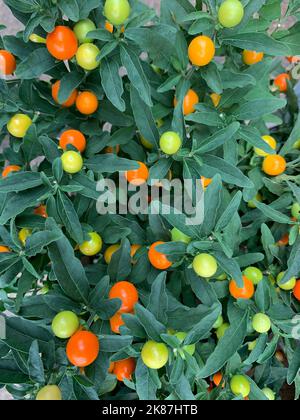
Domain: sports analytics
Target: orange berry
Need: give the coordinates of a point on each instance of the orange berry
(87, 103)
(274, 165)
(116, 322)
(9, 169)
(124, 369)
(69, 102)
(4, 249)
(206, 181)
(109, 27)
(41, 211)
(297, 290)
(190, 101)
(74, 138)
(139, 176)
(281, 81)
(218, 378)
(7, 63)
(201, 51)
(252, 57)
(127, 293)
(157, 259)
(246, 292)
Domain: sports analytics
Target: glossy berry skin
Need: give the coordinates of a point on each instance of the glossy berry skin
(274, 165)
(65, 324)
(261, 323)
(49, 393)
(222, 330)
(87, 103)
(41, 211)
(252, 57)
(281, 82)
(74, 138)
(69, 102)
(216, 99)
(240, 386)
(205, 265)
(117, 11)
(93, 246)
(116, 322)
(206, 182)
(24, 235)
(134, 249)
(109, 27)
(62, 43)
(178, 236)
(139, 176)
(201, 51)
(82, 28)
(157, 259)
(170, 143)
(218, 379)
(246, 292)
(4, 249)
(10, 169)
(270, 141)
(155, 355)
(219, 322)
(86, 56)
(83, 349)
(7, 63)
(254, 274)
(124, 369)
(191, 99)
(296, 290)
(18, 125)
(72, 162)
(269, 394)
(190, 349)
(127, 293)
(296, 211)
(231, 13)
(110, 252)
(290, 285)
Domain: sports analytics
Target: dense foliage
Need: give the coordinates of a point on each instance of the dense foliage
(94, 306)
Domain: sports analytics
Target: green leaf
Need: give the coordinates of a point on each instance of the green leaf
(294, 366)
(35, 364)
(21, 201)
(204, 326)
(36, 64)
(232, 207)
(231, 267)
(151, 325)
(226, 348)
(114, 343)
(257, 42)
(20, 181)
(112, 82)
(158, 300)
(144, 118)
(68, 84)
(68, 270)
(70, 218)
(110, 164)
(256, 108)
(219, 138)
(136, 74)
(146, 387)
(228, 172)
